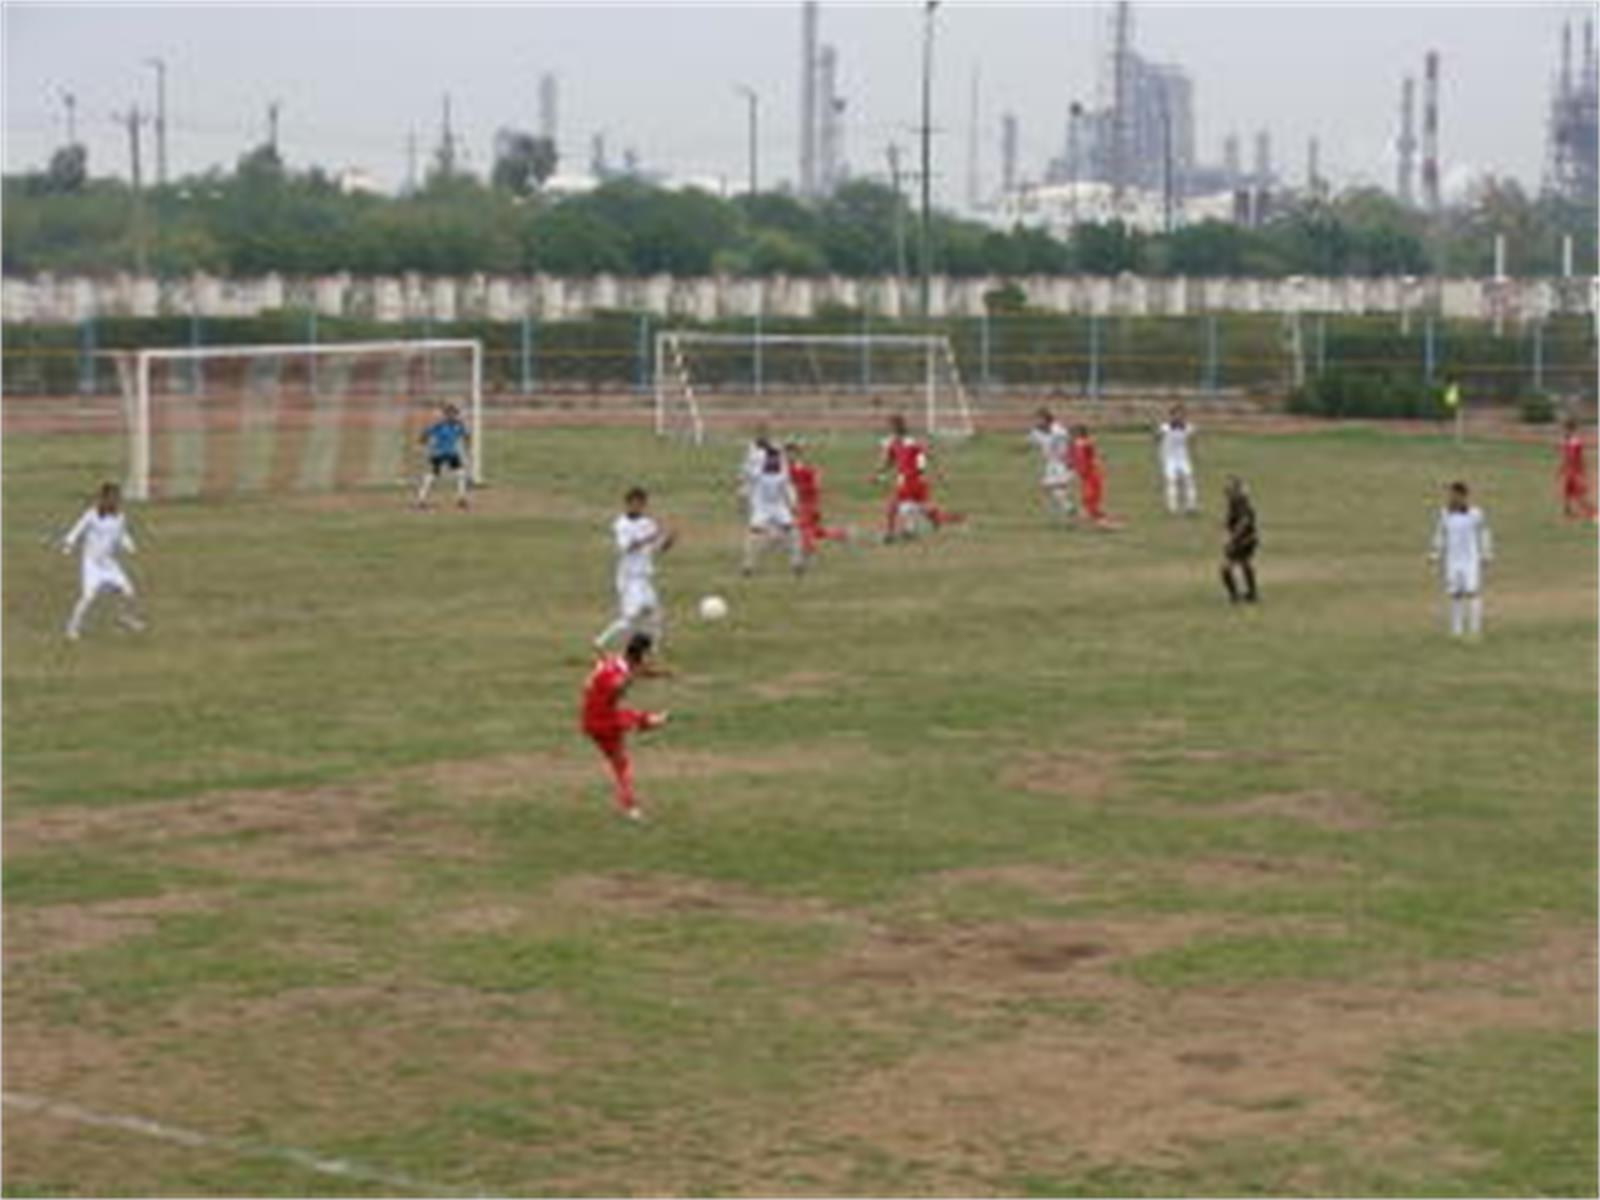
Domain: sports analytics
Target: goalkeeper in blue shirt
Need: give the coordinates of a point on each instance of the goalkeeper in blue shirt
(445, 440)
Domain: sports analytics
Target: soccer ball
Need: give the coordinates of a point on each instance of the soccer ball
(713, 608)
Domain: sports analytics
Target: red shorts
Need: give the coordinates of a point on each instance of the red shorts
(912, 491)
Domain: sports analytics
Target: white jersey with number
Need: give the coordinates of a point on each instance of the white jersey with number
(1174, 437)
(103, 536)
(1463, 542)
(771, 501)
(755, 462)
(1052, 445)
(636, 560)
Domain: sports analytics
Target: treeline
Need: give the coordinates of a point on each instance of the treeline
(261, 218)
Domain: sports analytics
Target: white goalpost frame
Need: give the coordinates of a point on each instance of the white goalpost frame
(139, 466)
(669, 357)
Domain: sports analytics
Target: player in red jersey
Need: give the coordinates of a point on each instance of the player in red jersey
(912, 498)
(1574, 476)
(607, 723)
(1084, 457)
(807, 482)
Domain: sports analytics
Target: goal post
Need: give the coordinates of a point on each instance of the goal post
(709, 381)
(296, 417)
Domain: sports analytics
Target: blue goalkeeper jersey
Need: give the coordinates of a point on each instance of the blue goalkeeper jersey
(445, 437)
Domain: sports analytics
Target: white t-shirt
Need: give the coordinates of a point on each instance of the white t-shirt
(755, 462)
(1051, 443)
(1175, 444)
(635, 562)
(103, 537)
(1462, 539)
(771, 499)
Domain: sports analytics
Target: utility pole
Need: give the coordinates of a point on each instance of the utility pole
(411, 161)
(272, 127)
(1166, 162)
(749, 93)
(141, 255)
(161, 119)
(447, 144)
(71, 103)
(899, 212)
(926, 263)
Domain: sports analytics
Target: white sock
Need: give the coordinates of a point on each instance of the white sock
(1172, 494)
(752, 549)
(1475, 615)
(461, 485)
(1457, 614)
(425, 488)
(619, 626)
(79, 611)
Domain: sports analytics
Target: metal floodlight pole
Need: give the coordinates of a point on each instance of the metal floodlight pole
(925, 264)
(754, 101)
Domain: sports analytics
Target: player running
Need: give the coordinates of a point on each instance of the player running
(1084, 457)
(754, 461)
(1051, 439)
(638, 540)
(912, 499)
(608, 724)
(1240, 549)
(1574, 475)
(1173, 436)
(103, 530)
(1461, 539)
(445, 439)
(806, 479)
(771, 520)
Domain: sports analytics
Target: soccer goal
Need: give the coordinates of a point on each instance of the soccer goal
(709, 382)
(223, 419)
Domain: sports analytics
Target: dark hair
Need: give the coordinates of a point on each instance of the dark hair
(1459, 486)
(635, 493)
(638, 646)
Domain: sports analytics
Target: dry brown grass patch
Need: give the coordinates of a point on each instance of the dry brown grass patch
(42, 931)
(1323, 808)
(1085, 775)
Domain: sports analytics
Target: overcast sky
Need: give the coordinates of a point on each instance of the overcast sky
(354, 79)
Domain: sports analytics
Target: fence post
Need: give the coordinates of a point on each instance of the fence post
(86, 347)
(196, 340)
(1211, 354)
(1538, 356)
(755, 364)
(983, 352)
(1429, 350)
(1322, 344)
(1094, 356)
(527, 355)
(866, 347)
(311, 339)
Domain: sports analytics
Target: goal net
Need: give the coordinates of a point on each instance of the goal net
(229, 419)
(706, 383)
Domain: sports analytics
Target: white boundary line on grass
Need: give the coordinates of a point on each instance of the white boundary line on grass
(343, 1168)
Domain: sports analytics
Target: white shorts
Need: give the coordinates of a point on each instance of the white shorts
(98, 576)
(1055, 474)
(637, 597)
(771, 520)
(1176, 469)
(1463, 580)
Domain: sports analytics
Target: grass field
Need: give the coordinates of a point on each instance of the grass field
(1011, 863)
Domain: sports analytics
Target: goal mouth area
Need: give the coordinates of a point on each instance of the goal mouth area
(709, 383)
(252, 419)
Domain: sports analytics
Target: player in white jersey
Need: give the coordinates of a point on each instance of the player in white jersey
(755, 460)
(771, 520)
(638, 540)
(103, 530)
(1462, 542)
(1051, 439)
(1173, 436)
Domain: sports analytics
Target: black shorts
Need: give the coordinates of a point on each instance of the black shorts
(440, 461)
(1240, 551)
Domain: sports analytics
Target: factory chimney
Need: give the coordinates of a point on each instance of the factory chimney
(808, 98)
(1430, 132)
(828, 134)
(1406, 146)
(547, 107)
(1008, 153)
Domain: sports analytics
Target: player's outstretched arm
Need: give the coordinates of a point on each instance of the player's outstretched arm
(70, 541)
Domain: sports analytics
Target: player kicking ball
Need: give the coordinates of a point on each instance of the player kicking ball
(771, 521)
(1239, 552)
(1051, 439)
(445, 439)
(1462, 541)
(608, 724)
(103, 531)
(638, 540)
